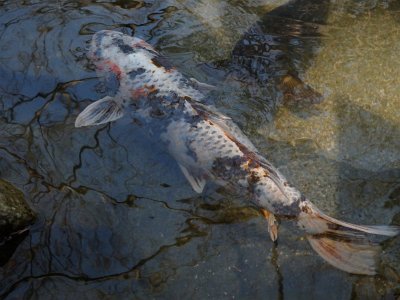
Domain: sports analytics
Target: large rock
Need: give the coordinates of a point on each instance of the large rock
(15, 214)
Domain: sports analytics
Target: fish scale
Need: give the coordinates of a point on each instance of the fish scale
(209, 146)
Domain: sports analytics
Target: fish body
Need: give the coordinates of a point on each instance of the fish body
(209, 147)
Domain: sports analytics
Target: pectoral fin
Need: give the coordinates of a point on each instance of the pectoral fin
(272, 224)
(102, 111)
(296, 91)
(196, 182)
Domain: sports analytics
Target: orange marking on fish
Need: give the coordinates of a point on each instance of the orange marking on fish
(252, 161)
(143, 44)
(114, 68)
(144, 91)
(151, 89)
(331, 249)
(246, 165)
(170, 70)
(140, 92)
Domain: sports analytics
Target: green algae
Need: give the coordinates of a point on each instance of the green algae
(15, 214)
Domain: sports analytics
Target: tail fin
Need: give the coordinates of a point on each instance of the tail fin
(345, 246)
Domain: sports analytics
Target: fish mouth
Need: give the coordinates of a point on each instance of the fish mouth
(111, 52)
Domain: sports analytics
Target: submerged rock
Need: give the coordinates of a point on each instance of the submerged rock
(15, 214)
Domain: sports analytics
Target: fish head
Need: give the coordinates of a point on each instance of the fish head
(121, 54)
(138, 71)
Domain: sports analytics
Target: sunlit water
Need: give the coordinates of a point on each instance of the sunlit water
(116, 217)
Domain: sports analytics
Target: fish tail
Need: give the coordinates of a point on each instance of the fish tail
(345, 246)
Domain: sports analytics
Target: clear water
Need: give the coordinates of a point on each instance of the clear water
(116, 217)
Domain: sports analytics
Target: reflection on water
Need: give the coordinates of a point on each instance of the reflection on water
(115, 216)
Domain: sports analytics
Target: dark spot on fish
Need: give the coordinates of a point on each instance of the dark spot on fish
(228, 168)
(157, 113)
(136, 72)
(190, 152)
(137, 121)
(161, 62)
(306, 209)
(98, 39)
(194, 119)
(122, 45)
(292, 209)
(125, 49)
(253, 178)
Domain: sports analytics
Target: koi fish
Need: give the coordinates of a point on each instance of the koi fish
(209, 147)
(266, 59)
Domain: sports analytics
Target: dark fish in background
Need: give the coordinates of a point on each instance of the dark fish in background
(209, 147)
(273, 53)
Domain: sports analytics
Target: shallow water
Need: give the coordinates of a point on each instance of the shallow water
(116, 217)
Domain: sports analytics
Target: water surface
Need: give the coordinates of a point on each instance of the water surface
(116, 217)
